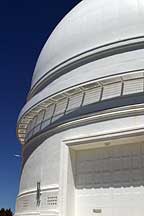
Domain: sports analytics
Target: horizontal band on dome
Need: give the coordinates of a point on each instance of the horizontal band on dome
(46, 189)
(92, 55)
(51, 109)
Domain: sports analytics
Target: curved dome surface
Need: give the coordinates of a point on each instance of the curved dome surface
(90, 25)
(82, 127)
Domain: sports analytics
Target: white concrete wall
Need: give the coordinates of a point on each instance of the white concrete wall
(42, 165)
(46, 165)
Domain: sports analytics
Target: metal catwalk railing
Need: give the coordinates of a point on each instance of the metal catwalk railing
(85, 95)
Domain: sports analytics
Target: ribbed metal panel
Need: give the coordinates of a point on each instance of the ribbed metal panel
(92, 95)
(48, 116)
(111, 90)
(33, 124)
(117, 165)
(133, 86)
(60, 109)
(29, 127)
(75, 101)
(38, 121)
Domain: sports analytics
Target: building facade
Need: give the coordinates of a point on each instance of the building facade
(82, 128)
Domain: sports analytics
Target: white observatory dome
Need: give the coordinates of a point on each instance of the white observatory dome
(90, 25)
(82, 127)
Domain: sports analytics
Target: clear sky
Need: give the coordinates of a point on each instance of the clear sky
(24, 27)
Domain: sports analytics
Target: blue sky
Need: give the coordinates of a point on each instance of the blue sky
(24, 28)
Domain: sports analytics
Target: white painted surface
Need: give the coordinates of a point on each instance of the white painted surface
(85, 182)
(110, 179)
(111, 66)
(89, 25)
(42, 165)
(51, 164)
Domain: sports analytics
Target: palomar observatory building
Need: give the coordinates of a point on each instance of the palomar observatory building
(82, 128)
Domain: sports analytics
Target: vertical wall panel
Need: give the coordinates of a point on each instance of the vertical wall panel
(38, 121)
(75, 101)
(92, 95)
(33, 124)
(60, 109)
(111, 90)
(48, 115)
(133, 86)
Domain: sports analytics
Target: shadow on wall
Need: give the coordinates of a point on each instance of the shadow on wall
(105, 167)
